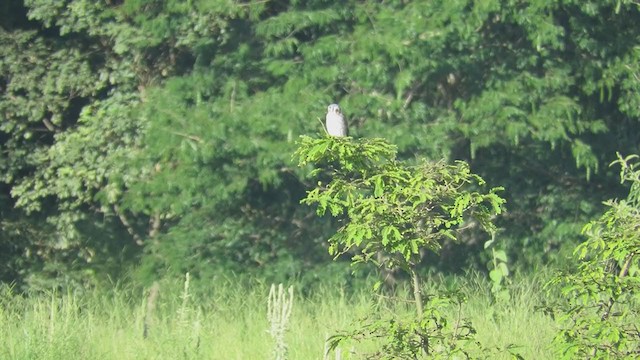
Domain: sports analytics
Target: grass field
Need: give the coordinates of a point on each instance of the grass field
(229, 320)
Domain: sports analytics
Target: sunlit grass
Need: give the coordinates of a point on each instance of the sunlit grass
(516, 322)
(228, 320)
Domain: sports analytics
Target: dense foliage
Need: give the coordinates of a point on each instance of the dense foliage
(600, 311)
(160, 133)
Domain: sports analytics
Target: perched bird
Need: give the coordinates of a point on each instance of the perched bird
(336, 124)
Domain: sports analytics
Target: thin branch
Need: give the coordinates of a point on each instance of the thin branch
(190, 137)
(253, 3)
(49, 125)
(407, 101)
(154, 225)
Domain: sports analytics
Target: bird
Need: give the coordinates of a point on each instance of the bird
(336, 124)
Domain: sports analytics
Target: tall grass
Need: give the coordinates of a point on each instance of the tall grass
(230, 321)
(516, 322)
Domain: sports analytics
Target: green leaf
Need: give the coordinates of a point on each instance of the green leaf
(378, 187)
(496, 276)
(500, 255)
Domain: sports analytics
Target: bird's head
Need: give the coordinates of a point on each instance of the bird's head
(333, 109)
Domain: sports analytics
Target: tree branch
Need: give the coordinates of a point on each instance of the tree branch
(127, 225)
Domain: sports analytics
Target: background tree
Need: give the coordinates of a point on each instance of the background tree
(160, 131)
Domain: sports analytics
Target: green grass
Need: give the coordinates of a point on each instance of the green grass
(516, 322)
(229, 321)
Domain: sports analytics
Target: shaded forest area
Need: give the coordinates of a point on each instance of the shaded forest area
(149, 138)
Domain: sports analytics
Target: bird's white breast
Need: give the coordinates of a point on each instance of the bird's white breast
(336, 125)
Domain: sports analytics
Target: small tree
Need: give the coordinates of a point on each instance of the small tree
(394, 208)
(600, 314)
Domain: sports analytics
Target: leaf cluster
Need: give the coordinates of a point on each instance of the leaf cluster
(390, 206)
(600, 317)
